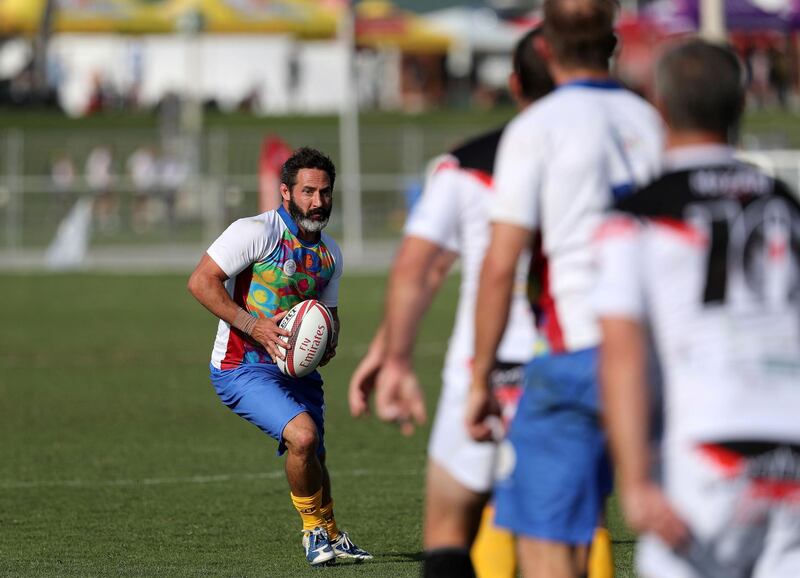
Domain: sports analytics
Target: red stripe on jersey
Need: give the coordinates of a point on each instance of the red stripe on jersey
(552, 327)
(682, 229)
(485, 178)
(446, 165)
(234, 352)
(549, 323)
(776, 490)
(616, 226)
(728, 462)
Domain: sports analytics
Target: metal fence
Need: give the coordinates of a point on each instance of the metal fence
(170, 226)
(184, 218)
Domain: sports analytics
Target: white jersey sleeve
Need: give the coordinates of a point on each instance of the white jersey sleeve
(435, 217)
(330, 295)
(517, 175)
(619, 291)
(245, 242)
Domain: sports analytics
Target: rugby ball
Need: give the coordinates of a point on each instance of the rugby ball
(310, 327)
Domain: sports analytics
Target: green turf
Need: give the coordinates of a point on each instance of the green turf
(118, 460)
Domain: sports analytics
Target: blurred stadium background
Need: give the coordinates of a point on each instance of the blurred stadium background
(131, 133)
(167, 114)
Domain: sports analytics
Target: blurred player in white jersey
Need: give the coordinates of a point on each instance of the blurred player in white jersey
(706, 260)
(450, 221)
(560, 164)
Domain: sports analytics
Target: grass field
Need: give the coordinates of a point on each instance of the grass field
(118, 460)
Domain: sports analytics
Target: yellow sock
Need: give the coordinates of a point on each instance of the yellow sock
(493, 550)
(330, 520)
(601, 560)
(309, 509)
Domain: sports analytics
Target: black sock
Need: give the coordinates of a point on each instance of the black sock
(447, 563)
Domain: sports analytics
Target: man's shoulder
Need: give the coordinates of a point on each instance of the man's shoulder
(560, 107)
(666, 195)
(567, 102)
(634, 105)
(331, 244)
(261, 224)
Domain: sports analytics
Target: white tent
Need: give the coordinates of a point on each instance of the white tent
(478, 28)
(477, 31)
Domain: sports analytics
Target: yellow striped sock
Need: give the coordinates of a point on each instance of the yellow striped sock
(330, 521)
(493, 550)
(309, 508)
(601, 559)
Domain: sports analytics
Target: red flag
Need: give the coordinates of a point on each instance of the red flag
(274, 152)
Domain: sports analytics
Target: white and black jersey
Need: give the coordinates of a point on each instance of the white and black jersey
(454, 214)
(709, 256)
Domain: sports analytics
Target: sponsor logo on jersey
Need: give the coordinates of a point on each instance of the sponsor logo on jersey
(289, 268)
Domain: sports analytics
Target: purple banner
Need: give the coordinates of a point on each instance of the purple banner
(680, 15)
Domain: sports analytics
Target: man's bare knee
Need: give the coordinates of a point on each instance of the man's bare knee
(300, 435)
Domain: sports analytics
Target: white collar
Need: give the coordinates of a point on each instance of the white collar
(691, 156)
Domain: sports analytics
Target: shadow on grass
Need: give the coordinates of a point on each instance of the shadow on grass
(392, 558)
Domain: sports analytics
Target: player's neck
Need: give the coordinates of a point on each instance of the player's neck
(567, 75)
(679, 139)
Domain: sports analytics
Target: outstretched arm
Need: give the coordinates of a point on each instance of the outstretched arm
(491, 315)
(207, 285)
(362, 382)
(417, 274)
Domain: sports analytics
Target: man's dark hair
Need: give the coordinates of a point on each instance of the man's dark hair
(306, 158)
(701, 87)
(581, 32)
(530, 67)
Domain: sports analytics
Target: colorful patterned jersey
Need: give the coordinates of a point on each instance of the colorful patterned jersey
(269, 271)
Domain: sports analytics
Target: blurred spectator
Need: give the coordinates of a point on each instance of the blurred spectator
(173, 172)
(100, 179)
(143, 168)
(758, 66)
(62, 181)
(62, 174)
(779, 75)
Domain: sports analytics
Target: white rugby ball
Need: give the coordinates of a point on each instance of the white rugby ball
(310, 325)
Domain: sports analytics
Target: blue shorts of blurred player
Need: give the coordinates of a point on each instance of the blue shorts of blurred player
(560, 473)
(261, 394)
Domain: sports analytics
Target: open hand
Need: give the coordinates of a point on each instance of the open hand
(399, 398)
(362, 383)
(483, 413)
(647, 510)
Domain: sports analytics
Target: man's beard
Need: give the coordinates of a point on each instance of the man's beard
(305, 220)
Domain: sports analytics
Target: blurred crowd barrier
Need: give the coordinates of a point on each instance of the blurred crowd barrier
(157, 203)
(162, 201)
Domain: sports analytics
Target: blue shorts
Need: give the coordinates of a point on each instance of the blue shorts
(561, 473)
(269, 400)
